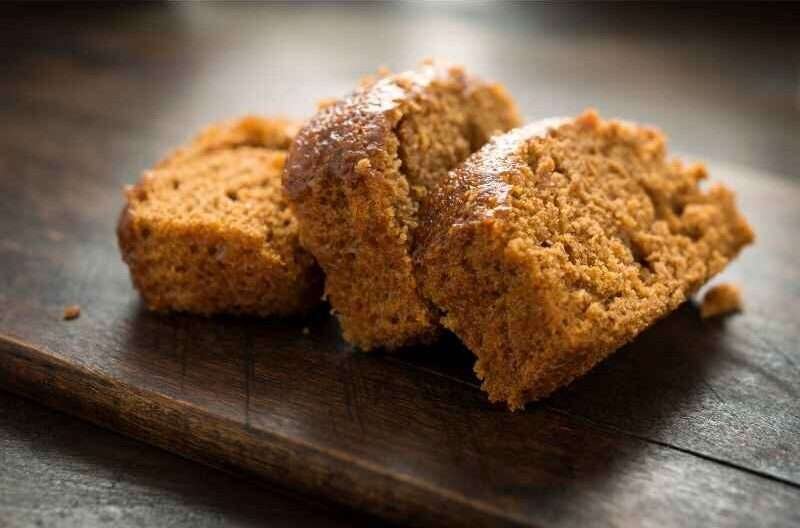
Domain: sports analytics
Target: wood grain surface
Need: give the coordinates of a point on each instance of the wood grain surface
(696, 422)
(56, 470)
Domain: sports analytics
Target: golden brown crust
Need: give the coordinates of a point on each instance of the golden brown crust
(557, 243)
(247, 131)
(209, 230)
(722, 299)
(356, 177)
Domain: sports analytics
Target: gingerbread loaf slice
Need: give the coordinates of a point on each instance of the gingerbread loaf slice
(560, 241)
(357, 175)
(209, 230)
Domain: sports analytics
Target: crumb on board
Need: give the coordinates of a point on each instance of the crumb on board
(722, 299)
(73, 311)
(306, 330)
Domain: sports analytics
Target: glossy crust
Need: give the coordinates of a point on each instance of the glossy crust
(359, 172)
(559, 242)
(209, 231)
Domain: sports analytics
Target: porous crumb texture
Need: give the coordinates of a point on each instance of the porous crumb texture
(558, 242)
(722, 299)
(359, 172)
(209, 230)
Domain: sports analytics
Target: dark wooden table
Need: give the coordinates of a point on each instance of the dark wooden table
(56, 470)
(90, 97)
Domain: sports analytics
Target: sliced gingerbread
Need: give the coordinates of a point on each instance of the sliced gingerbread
(557, 243)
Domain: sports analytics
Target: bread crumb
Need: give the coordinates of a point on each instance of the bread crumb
(722, 299)
(73, 311)
(306, 330)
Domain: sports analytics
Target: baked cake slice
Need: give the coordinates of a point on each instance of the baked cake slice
(209, 230)
(558, 242)
(358, 173)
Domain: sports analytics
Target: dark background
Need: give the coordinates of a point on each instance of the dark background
(722, 80)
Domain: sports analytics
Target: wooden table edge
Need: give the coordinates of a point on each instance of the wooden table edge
(301, 466)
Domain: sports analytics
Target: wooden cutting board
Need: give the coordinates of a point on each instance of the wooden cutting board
(694, 422)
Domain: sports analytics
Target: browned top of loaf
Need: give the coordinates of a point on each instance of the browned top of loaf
(479, 188)
(492, 184)
(358, 126)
